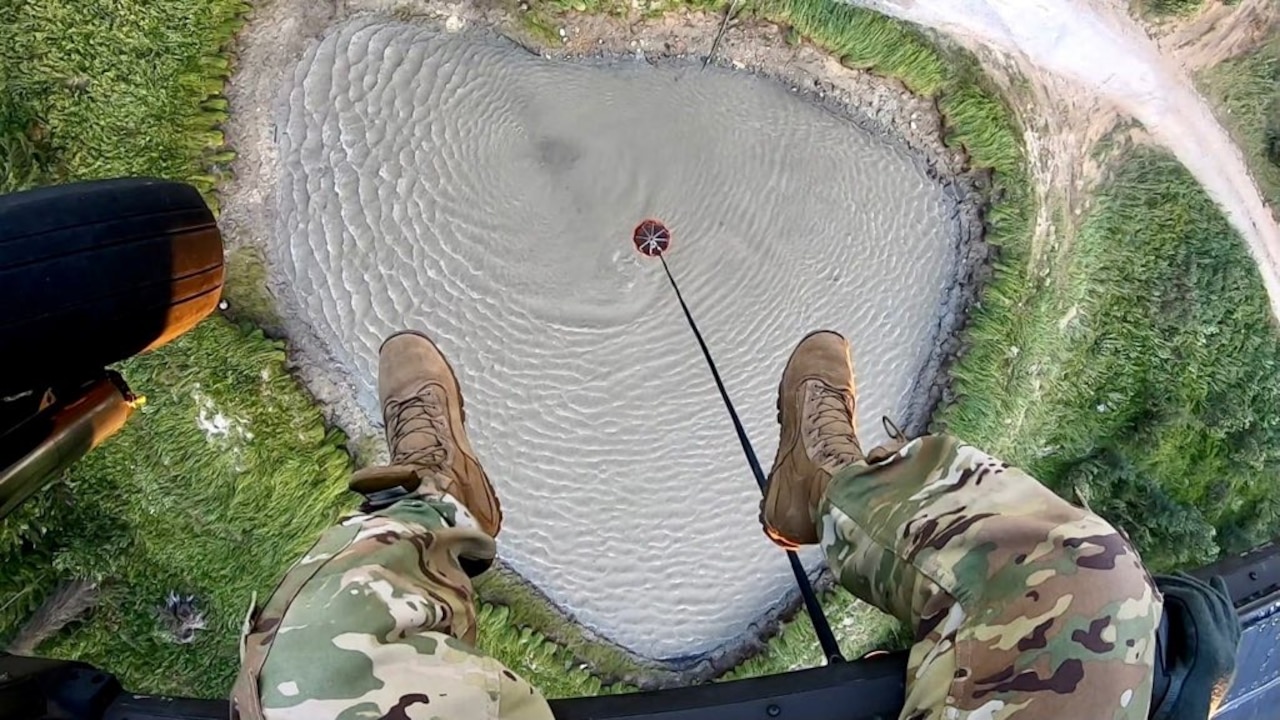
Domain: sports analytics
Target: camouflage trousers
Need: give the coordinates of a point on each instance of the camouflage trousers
(1023, 605)
(378, 620)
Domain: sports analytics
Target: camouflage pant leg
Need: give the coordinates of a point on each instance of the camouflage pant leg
(377, 620)
(1023, 605)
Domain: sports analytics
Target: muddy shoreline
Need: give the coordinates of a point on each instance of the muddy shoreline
(277, 34)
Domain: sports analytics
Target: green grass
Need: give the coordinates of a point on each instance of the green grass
(1142, 375)
(858, 627)
(1162, 9)
(1153, 313)
(523, 612)
(1246, 92)
(865, 40)
(92, 89)
(165, 506)
(556, 671)
(245, 289)
(1186, 473)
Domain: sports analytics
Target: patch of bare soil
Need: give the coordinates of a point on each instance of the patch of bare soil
(1219, 33)
(69, 603)
(1062, 125)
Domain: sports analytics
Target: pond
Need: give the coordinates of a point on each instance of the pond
(463, 186)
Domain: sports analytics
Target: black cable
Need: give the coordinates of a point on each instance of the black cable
(826, 638)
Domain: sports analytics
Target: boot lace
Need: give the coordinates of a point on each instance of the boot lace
(416, 429)
(897, 441)
(830, 436)
(893, 431)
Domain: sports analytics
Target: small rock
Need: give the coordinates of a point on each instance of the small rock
(180, 618)
(564, 33)
(454, 24)
(739, 66)
(524, 7)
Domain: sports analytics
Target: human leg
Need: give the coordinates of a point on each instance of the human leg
(378, 618)
(1022, 604)
(1019, 600)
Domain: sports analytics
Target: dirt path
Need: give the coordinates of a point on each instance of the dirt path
(1221, 32)
(1076, 52)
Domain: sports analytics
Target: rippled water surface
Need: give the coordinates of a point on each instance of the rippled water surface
(467, 188)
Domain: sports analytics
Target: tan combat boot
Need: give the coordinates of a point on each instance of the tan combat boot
(430, 454)
(816, 408)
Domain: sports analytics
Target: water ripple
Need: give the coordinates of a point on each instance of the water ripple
(464, 187)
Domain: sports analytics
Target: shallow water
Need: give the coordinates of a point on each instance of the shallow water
(462, 186)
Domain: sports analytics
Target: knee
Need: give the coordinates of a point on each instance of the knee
(1107, 604)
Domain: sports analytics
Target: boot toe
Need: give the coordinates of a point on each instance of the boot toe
(824, 354)
(407, 361)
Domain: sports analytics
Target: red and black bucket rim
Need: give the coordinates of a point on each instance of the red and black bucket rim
(652, 238)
